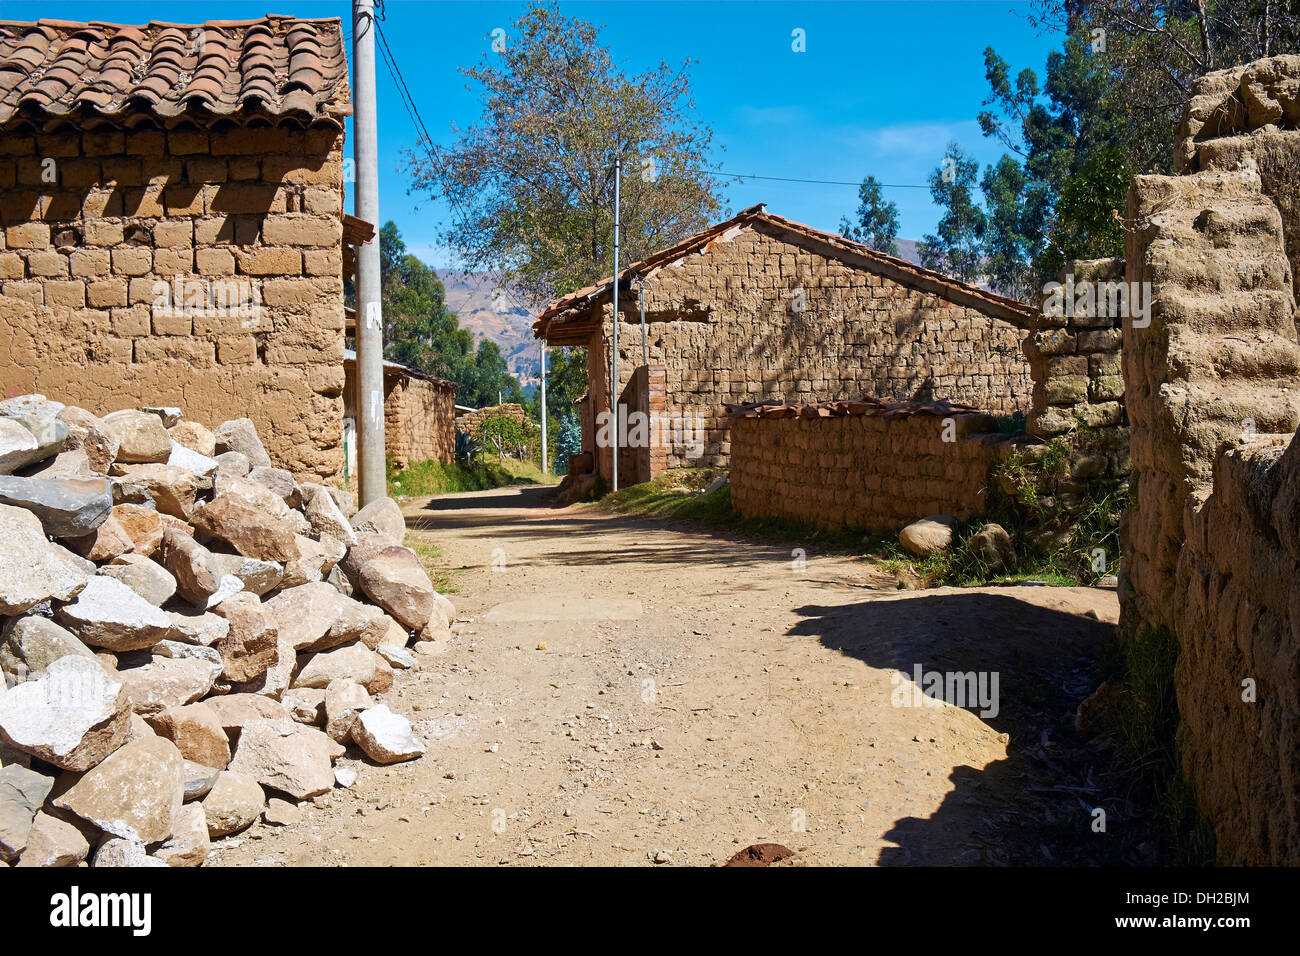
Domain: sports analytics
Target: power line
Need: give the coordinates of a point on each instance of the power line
(817, 182)
(403, 91)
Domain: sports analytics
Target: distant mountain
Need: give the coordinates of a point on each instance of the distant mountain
(488, 311)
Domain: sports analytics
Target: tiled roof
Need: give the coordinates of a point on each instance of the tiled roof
(275, 69)
(827, 243)
(350, 356)
(885, 407)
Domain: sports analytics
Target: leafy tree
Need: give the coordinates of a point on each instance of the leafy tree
(506, 436)
(568, 443)
(876, 222)
(957, 246)
(531, 184)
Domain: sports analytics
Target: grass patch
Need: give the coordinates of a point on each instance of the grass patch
(434, 564)
(434, 478)
(1144, 724)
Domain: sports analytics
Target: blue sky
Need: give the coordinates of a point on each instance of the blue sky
(881, 89)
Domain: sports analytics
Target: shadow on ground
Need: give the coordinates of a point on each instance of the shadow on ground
(1034, 807)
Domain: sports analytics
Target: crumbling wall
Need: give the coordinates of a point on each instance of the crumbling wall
(876, 468)
(754, 317)
(471, 422)
(97, 223)
(1212, 388)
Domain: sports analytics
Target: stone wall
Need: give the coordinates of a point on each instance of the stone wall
(1212, 388)
(756, 317)
(94, 221)
(471, 422)
(873, 467)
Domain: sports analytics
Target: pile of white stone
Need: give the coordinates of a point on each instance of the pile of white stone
(186, 631)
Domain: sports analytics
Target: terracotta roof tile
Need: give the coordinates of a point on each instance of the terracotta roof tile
(276, 69)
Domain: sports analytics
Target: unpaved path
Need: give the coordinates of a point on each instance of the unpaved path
(620, 690)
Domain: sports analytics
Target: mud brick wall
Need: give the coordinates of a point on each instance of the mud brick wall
(419, 422)
(1212, 389)
(92, 220)
(471, 422)
(1074, 361)
(1237, 608)
(724, 324)
(861, 471)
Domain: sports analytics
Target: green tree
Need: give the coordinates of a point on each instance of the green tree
(531, 184)
(956, 248)
(875, 221)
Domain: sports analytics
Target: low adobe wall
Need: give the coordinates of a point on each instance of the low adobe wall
(471, 422)
(867, 465)
(418, 416)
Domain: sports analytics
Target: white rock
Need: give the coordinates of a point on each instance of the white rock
(108, 614)
(73, 716)
(386, 737)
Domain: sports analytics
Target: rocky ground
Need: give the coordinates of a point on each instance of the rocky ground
(619, 691)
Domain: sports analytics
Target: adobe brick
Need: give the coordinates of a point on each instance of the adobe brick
(187, 142)
(267, 261)
(70, 294)
(214, 261)
(132, 260)
(104, 293)
(103, 142)
(90, 262)
(128, 322)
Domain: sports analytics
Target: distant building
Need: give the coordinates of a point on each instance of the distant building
(760, 308)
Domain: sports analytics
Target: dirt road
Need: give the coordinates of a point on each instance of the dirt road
(622, 691)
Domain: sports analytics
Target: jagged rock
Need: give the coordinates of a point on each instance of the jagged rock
(386, 737)
(228, 587)
(141, 437)
(250, 531)
(281, 813)
(327, 518)
(139, 729)
(66, 464)
(195, 437)
(355, 662)
(54, 843)
(134, 794)
(396, 581)
(398, 657)
(66, 507)
(262, 499)
(172, 489)
(251, 646)
(197, 627)
(278, 676)
(189, 844)
(88, 434)
(241, 435)
(257, 575)
(73, 716)
(993, 546)
(339, 581)
(383, 517)
(104, 543)
(930, 534)
(287, 756)
(169, 415)
(22, 792)
(147, 578)
(232, 464)
(197, 575)
(279, 482)
(236, 711)
(32, 569)
(142, 525)
(164, 683)
(116, 852)
(177, 650)
(344, 777)
(192, 461)
(234, 804)
(30, 644)
(198, 779)
(19, 447)
(315, 560)
(316, 617)
(197, 733)
(343, 700)
(106, 613)
(305, 705)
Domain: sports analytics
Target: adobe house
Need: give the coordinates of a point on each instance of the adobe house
(170, 207)
(760, 308)
(418, 414)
